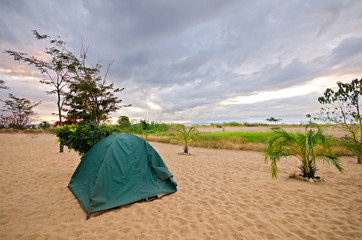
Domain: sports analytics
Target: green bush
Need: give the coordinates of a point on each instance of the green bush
(44, 125)
(246, 124)
(146, 127)
(232, 124)
(83, 136)
(123, 122)
(158, 127)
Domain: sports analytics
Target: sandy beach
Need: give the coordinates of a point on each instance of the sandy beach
(222, 194)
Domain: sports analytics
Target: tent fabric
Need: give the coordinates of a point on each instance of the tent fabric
(120, 169)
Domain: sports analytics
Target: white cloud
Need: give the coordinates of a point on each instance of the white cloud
(317, 85)
(153, 106)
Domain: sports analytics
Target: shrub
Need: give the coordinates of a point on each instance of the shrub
(44, 125)
(83, 136)
(146, 127)
(186, 136)
(307, 147)
(233, 124)
(123, 122)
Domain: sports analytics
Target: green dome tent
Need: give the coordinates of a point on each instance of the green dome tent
(118, 170)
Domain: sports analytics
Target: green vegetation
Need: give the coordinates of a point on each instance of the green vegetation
(160, 132)
(254, 141)
(255, 137)
(166, 133)
(83, 136)
(44, 125)
(233, 124)
(123, 122)
(246, 124)
(144, 127)
(186, 136)
(90, 98)
(307, 147)
(344, 111)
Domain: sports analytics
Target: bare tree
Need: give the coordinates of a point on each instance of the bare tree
(21, 111)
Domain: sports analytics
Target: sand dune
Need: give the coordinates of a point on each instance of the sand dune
(222, 194)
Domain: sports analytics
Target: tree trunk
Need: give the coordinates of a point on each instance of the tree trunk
(359, 160)
(311, 172)
(186, 150)
(61, 146)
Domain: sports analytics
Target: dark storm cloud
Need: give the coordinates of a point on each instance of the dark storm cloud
(143, 22)
(180, 59)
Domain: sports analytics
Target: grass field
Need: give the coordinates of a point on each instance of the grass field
(238, 140)
(252, 138)
(222, 140)
(255, 137)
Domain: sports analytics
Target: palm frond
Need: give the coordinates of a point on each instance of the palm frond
(330, 159)
(353, 147)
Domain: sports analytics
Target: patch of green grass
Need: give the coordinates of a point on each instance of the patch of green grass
(246, 124)
(255, 137)
(232, 124)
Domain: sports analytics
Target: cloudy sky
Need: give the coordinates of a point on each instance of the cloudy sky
(194, 61)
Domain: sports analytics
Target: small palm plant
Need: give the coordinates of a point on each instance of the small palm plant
(308, 147)
(186, 136)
